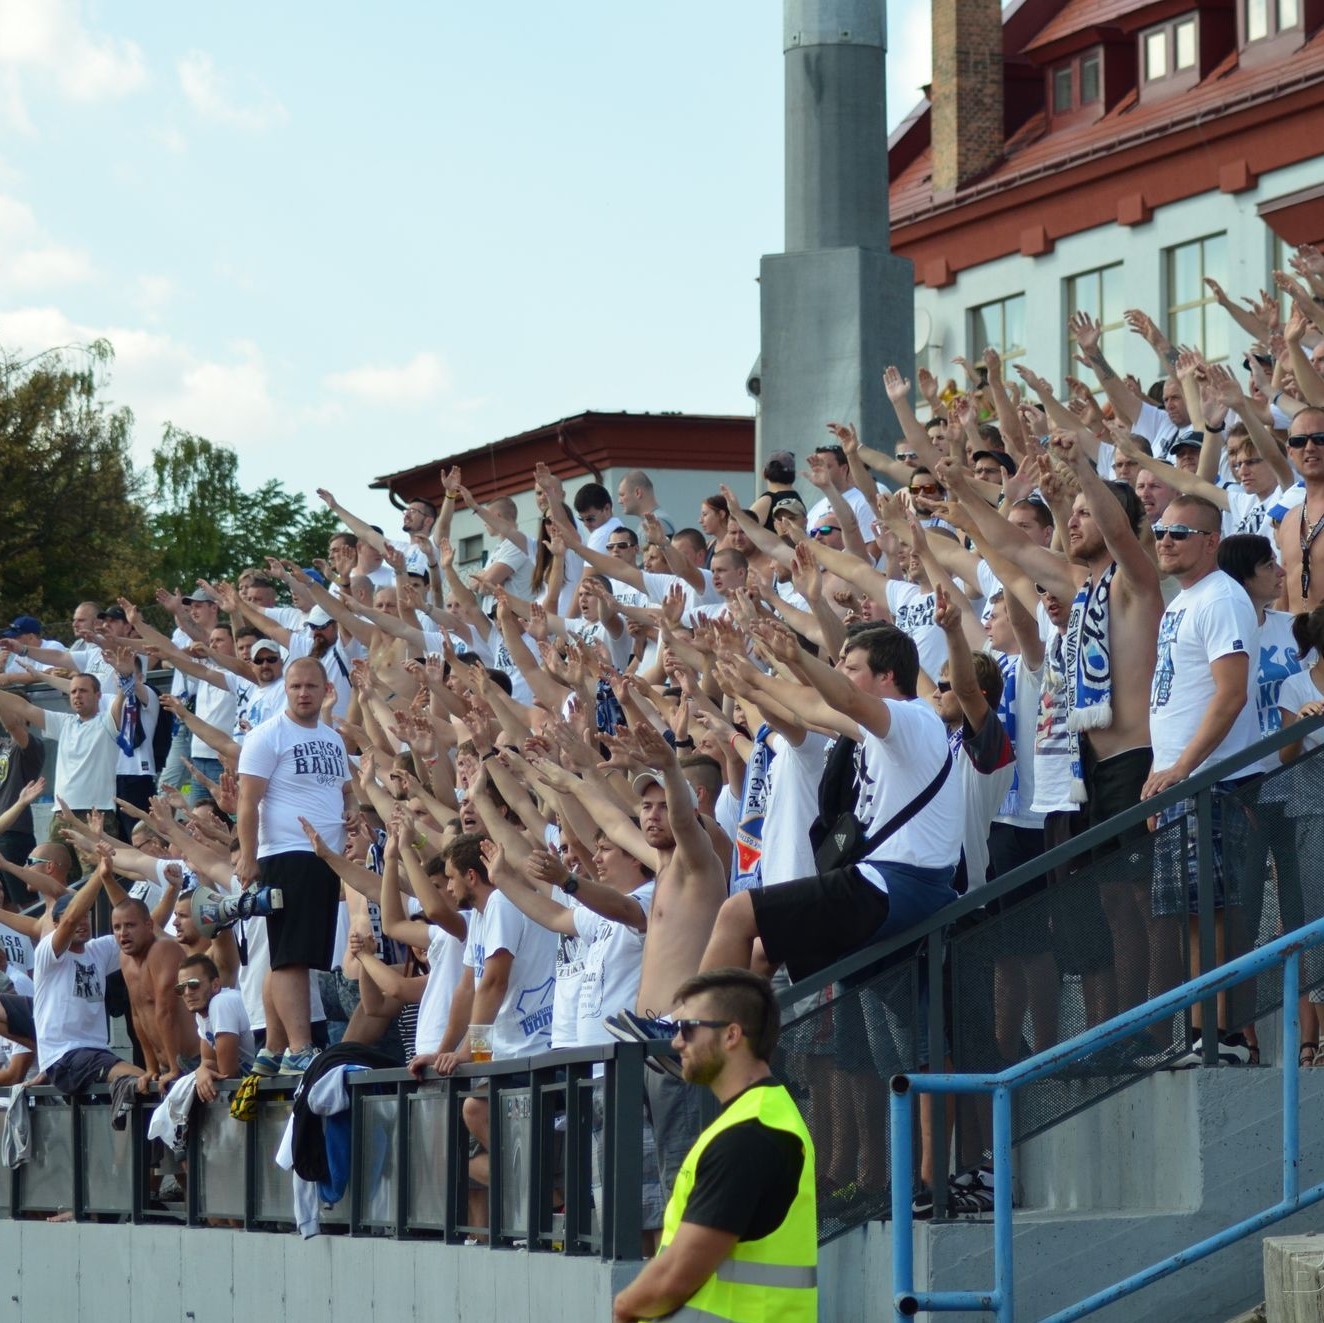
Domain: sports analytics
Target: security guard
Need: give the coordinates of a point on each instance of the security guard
(739, 1238)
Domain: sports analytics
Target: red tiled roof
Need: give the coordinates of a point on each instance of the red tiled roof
(1084, 15)
(1033, 151)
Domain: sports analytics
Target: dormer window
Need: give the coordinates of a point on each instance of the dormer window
(1267, 18)
(1170, 55)
(1076, 84)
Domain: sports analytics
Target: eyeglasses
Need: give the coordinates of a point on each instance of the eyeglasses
(1300, 442)
(825, 530)
(1041, 590)
(686, 1028)
(927, 489)
(1179, 532)
(188, 985)
(944, 686)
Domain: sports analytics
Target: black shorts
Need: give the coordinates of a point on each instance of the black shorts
(303, 932)
(812, 922)
(18, 1015)
(1113, 785)
(77, 1071)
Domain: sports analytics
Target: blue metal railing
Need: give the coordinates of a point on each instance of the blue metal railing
(907, 1302)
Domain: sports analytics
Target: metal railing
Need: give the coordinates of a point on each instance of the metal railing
(1286, 953)
(408, 1168)
(930, 1005)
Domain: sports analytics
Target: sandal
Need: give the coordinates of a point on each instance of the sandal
(1308, 1055)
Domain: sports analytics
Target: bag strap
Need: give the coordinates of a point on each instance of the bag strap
(916, 805)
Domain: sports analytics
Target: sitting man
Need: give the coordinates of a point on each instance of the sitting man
(225, 1038)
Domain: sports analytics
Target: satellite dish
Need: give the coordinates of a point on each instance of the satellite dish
(923, 329)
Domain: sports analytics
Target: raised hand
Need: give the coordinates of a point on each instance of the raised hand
(847, 436)
(946, 613)
(897, 386)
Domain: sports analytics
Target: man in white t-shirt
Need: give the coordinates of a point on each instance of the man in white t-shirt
(1202, 709)
(510, 962)
(293, 767)
(88, 757)
(69, 1003)
(225, 1038)
(901, 756)
(593, 506)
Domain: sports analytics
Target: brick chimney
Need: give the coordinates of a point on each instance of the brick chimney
(967, 118)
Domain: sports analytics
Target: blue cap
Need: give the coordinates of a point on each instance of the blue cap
(23, 625)
(316, 575)
(62, 904)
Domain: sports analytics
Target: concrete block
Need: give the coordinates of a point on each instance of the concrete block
(1294, 1279)
(207, 1275)
(154, 1272)
(308, 1274)
(259, 1275)
(352, 1266)
(53, 1253)
(394, 1287)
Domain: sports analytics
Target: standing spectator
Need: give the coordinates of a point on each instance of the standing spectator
(22, 756)
(779, 475)
(1202, 710)
(1299, 533)
(293, 766)
(593, 506)
(636, 497)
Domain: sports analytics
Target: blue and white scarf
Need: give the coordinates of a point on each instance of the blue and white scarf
(130, 733)
(1009, 663)
(747, 870)
(1089, 668)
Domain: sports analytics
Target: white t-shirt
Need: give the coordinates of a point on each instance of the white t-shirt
(226, 1015)
(256, 703)
(23, 987)
(305, 770)
(1020, 692)
(821, 512)
(597, 539)
(1278, 660)
(416, 559)
(520, 581)
(445, 963)
(1298, 690)
(1211, 619)
(792, 806)
(569, 978)
(69, 1005)
(218, 708)
(523, 1022)
(914, 611)
(140, 762)
(1250, 514)
(18, 951)
(86, 763)
(893, 770)
(613, 958)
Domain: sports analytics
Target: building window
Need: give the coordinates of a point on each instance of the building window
(1075, 84)
(1194, 318)
(999, 325)
(471, 550)
(1267, 18)
(1171, 49)
(1099, 293)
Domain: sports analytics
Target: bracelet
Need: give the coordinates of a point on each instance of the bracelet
(735, 735)
(570, 885)
(1209, 427)
(447, 496)
(685, 744)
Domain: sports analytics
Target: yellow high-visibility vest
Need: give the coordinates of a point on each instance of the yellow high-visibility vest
(773, 1280)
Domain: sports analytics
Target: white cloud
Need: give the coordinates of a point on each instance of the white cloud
(30, 259)
(421, 379)
(206, 93)
(228, 400)
(47, 40)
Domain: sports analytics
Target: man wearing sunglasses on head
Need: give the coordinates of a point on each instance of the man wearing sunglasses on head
(739, 1239)
(225, 1037)
(1299, 533)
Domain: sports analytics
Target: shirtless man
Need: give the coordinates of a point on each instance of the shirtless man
(222, 949)
(1104, 551)
(150, 965)
(689, 891)
(1299, 535)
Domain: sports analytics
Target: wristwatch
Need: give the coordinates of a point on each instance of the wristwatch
(570, 885)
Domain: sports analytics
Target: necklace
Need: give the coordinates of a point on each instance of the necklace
(1308, 541)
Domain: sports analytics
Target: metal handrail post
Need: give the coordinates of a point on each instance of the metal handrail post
(937, 1032)
(1206, 920)
(901, 1105)
(1003, 1270)
(1291, 1067)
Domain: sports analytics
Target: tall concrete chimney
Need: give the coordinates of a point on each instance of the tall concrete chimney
(836, 306)
(967, 118)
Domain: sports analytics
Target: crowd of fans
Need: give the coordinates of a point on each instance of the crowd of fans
(532, 801)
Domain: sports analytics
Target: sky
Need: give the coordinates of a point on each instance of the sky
(347, 239)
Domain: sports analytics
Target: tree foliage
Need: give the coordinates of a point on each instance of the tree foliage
(72, 522)
(78, 521)
(205, 525)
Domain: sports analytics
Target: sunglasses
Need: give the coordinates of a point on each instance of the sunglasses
(1300, 442)
(188, 985)
(944, 686)
(928, 489)
(824, 530)
(32, 861)
(905, 456)
(620, 546)
(686, 1028)
(1178, 532)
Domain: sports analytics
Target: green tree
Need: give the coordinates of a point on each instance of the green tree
(72, 522)
(204, 525)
